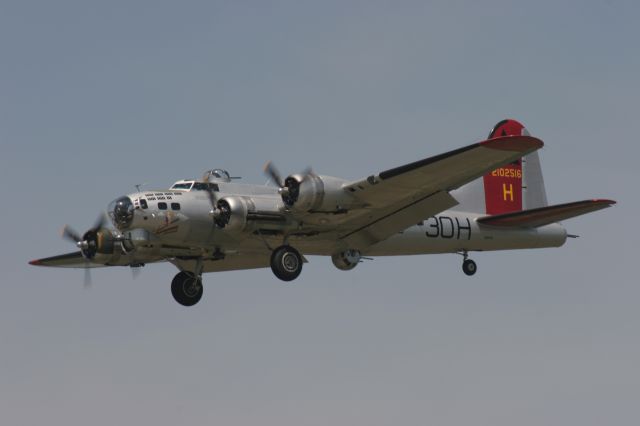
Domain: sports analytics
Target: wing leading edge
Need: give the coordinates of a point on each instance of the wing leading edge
(69, 260)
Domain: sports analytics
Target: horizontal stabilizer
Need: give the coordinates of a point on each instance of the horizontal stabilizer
(534, 218)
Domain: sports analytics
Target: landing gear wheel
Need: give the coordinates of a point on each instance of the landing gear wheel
(286, 263)
(469, 267)
(186, 288)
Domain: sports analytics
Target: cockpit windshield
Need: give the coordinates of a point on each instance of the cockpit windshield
(182, 185)
(194, 186)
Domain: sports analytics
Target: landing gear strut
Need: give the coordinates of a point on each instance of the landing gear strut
(286, 263)
(468, 266)
(186, 288)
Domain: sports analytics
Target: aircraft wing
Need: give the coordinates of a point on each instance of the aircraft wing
(69, 260)
(400, 197)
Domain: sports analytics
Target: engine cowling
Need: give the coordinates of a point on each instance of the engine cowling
(312, 192)
(97, 241)
(302, 192)
(231, 214)
(346, 260)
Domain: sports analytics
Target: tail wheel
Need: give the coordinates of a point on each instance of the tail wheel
(186, 288)
(469, 267)
(286, 263)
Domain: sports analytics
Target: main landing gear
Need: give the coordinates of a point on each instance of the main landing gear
(186, 288)
(469, 267)
(286, 263)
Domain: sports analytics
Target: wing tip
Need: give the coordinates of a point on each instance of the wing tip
(604, 201)
(514, 143)
(35, 262)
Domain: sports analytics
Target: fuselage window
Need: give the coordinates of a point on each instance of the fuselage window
(175, 206)
(143, 204)
(162, 206)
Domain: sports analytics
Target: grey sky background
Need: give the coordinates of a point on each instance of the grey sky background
(96, 97)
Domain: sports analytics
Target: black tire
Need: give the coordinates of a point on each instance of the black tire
(286, 263)
(186, 288)
(469, 267)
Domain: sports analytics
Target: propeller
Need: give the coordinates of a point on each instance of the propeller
(289, 187)
(87, 243)
(71, 235)
(215, 208)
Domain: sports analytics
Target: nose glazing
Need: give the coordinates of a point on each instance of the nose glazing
(121, 212)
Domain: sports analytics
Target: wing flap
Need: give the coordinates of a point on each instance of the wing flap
(398, 219)
(231, 262)
(534, 218)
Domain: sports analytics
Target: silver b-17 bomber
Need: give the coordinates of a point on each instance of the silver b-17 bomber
(486, 196)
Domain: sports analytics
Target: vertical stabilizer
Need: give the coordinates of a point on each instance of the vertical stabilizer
(510, 188)
(534, 194)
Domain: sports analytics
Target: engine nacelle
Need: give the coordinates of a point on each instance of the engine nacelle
(101, 246)
(312, 192)
(137, 239)
(231, 213)
(346, 260)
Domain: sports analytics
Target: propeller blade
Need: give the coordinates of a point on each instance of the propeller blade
(99, 223)
(135, 272)
(271, 171)
(306, 173)
(70, 234)
(86, 284)
(210, 193)
(212, 199)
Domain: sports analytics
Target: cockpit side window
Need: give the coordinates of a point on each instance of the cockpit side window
(143, 203)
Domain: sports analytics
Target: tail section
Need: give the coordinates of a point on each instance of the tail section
(510, 188)
(513, 196)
